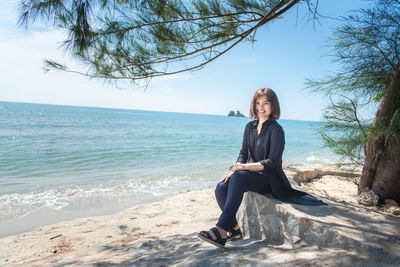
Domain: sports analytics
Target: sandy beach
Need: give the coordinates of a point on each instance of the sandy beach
(164, 233)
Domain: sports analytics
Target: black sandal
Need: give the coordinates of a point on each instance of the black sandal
(235, 234)
(219, 242)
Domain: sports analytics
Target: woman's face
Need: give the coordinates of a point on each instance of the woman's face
(263, 107)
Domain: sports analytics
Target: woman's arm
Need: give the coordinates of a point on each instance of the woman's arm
(255, 166)
(277, 144)
(244, 151)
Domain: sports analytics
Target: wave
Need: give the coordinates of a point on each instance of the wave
(323, 157)
(19, 205)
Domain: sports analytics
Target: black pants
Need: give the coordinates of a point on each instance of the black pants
(230, 194)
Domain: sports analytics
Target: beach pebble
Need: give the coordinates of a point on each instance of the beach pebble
(146, 244)
(368, 197)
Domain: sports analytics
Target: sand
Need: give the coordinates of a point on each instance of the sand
(164, 233)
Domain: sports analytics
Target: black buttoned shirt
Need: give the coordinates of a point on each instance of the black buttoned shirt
(266, 147)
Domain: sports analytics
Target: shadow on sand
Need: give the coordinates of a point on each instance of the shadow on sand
(189, 250)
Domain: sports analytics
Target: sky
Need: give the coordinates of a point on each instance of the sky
(286, 52)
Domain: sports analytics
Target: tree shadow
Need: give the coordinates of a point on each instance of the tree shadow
(353, 217)
(189, 250)
(336, 225)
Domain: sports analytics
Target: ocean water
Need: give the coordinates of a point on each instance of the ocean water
(62, 162)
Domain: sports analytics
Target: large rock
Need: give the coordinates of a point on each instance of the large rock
(336, 225)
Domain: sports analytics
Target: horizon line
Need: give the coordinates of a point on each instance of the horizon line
(123, 108)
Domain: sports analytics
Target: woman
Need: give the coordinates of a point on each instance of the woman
(258, 169)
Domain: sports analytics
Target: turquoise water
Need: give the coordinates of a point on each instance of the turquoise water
(63, 162)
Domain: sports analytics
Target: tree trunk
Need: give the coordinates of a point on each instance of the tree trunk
(387, 179)
(381, 170)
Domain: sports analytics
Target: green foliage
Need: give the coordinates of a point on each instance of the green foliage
(344, 131)
(139, 39)
(367, 46)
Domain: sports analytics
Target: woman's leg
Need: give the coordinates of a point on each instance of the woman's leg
(240, 182)
(221, 191)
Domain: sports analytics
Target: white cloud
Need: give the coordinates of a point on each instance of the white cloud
(23, 80)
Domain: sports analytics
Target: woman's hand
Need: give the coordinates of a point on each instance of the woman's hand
(232, 169)
(226, 177)
(235, 166)
(256, 166)
(238, 166)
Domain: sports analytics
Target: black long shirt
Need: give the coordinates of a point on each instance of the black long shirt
(267, 148)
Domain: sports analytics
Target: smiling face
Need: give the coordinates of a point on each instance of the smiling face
(265, 105)
(263, 108)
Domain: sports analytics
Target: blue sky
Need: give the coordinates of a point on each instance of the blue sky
(285, 54)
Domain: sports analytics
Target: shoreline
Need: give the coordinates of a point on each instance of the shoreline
(183, 214)
(41, 218)
(177, 214)
(112, 205)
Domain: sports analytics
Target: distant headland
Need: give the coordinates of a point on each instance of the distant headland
(237, 114)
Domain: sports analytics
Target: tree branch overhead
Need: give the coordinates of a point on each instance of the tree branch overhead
(135, 40)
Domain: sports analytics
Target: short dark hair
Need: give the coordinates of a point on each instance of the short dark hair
(272, 99)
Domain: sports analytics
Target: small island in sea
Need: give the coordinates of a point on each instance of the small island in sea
(237, 114)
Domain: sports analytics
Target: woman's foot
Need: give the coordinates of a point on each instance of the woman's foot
(222, 232)
(235, 233)
(216, 236)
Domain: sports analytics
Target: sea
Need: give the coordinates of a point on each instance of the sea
(58, 162)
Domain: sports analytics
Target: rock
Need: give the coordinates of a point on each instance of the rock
(238, 114)
(368, 197)
(231, 113)
(146, 244)
(335, 226)
(307, 176)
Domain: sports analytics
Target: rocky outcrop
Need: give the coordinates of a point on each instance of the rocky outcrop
(336, 225)
(237, 114)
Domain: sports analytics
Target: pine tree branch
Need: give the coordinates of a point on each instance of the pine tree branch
(239, 37)
(107, 32)
(385, 57)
